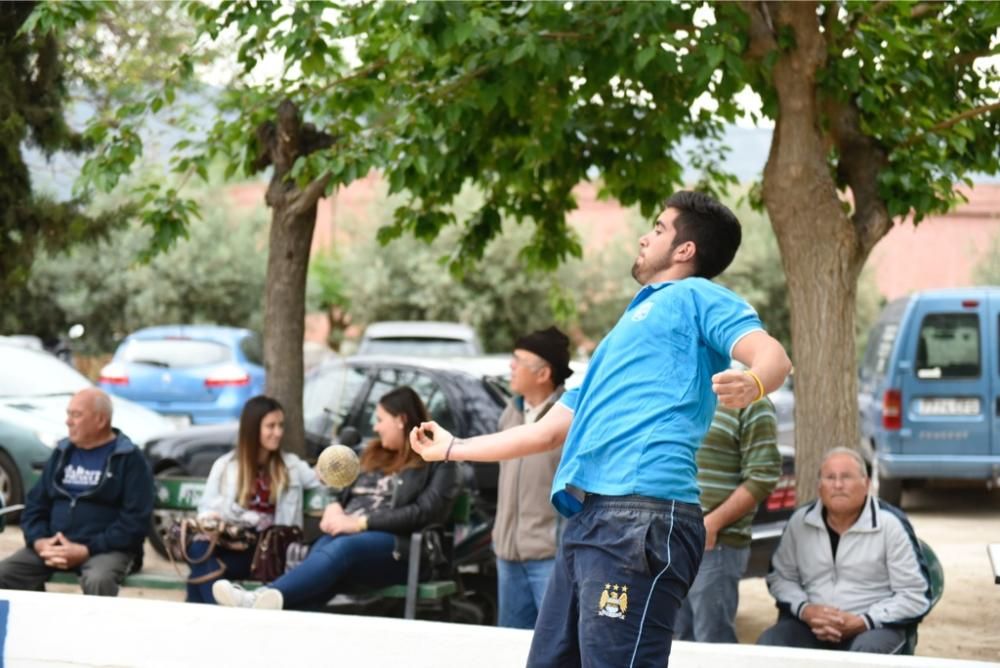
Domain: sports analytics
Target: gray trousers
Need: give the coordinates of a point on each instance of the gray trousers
(793, 632)
(101, 575)
(708, 614)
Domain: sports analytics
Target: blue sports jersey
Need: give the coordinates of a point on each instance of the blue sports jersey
(647, 401)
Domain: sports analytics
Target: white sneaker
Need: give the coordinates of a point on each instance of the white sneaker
(232, 595)
(266, 598)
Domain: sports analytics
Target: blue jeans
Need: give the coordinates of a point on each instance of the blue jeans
(337, 563)
(624, 566)
(709, 611)
(236, 566)
(521, 586)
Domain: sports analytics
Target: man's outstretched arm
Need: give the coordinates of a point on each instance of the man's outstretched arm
(546, 434)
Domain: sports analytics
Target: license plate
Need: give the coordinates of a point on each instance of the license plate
(948, 406)
(179, 420)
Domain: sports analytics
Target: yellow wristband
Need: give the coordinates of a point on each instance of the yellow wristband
(363, 523)
(760, 385)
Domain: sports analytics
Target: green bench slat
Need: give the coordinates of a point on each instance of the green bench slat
(145, 580)
(183, 493)
(426, 591)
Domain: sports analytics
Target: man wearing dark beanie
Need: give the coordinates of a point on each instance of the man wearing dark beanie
(524, 536)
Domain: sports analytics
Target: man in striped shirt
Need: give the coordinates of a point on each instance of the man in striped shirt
(738, 466)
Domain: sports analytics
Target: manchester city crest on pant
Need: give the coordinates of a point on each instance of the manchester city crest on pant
(614, 601)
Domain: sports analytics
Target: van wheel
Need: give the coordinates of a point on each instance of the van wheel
(891, 490)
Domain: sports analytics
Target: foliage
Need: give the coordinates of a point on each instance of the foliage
(529, 99)
(525, 100)
(327, 283)
(32, 92)
(103, 287)
(504, 298)
(908, 70)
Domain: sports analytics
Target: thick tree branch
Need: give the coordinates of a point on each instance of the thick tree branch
(308, 196)
(861, 160)
(763, 38)
(944, 125)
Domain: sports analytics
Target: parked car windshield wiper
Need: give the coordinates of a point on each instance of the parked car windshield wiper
(157, 363)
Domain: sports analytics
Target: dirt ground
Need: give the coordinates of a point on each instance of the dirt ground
(956, 522)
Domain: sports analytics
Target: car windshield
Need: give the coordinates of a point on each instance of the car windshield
(27, 373)
(327, 396)
(174, 353)
(417, 347)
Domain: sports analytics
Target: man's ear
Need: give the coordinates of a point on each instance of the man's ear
(545, 373)
(685, 252)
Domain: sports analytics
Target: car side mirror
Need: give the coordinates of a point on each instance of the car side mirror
(349, 436)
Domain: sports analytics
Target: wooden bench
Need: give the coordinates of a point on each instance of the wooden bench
(993, 550)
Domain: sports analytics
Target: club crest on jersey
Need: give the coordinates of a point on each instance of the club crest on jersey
(642, 311)
(614, 601)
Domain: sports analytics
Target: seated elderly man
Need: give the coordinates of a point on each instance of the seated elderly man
(848, 573)
(90, 510)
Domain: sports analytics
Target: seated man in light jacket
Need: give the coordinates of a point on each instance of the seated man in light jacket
(848, 573)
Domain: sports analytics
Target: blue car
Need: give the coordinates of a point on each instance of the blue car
(191, 374)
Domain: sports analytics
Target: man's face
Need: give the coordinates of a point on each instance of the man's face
(86, 426)
(526, 371)
(656, 249)
(842, 487)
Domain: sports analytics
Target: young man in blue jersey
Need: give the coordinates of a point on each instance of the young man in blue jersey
(627, 478)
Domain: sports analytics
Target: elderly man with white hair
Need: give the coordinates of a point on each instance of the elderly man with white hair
(90, 510)
(849, 573)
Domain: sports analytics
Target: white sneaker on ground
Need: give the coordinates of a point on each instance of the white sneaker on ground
(234, 596)
(268, 599)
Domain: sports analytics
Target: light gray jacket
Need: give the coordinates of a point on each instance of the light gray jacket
(879, 572)
(220, 491)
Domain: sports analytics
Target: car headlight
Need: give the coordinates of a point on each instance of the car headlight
(49, 438)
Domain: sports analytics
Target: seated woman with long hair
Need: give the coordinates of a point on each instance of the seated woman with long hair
(255, 486)
(367, 533)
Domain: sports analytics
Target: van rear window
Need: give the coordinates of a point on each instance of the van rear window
(948, 346)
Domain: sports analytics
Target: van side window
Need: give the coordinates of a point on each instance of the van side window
(948, 346)
(880, 344)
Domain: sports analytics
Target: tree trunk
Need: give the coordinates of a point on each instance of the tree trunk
(293, 219)
(820, 251)
(284, 315)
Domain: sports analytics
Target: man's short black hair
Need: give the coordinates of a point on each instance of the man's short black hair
(714, 229)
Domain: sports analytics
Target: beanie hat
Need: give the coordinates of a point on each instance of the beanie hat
(553, 347)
